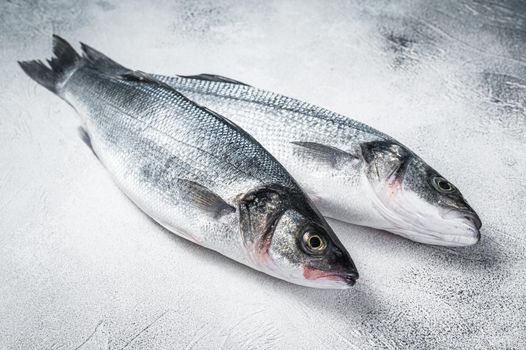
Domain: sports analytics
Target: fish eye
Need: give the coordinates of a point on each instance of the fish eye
(314, 242)
(442, 185)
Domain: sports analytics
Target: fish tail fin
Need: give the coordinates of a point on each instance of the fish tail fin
(61, 66)
(101, 62)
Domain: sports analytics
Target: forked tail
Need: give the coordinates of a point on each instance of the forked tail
(64, 64)
(61, 66)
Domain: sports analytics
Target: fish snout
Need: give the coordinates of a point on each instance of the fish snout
(474, 223)
(474, 218)
(351, 278)
(349, 273)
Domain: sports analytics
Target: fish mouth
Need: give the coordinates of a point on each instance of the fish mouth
(455, 229)
(348, 278)
(471, 223)
(409, 216)
(469, 214)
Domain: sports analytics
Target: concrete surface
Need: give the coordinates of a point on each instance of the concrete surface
(82, 268)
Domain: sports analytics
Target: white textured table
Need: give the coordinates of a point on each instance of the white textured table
(82, 268)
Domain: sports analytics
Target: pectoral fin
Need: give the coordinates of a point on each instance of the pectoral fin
(329, 155)
(204, 199)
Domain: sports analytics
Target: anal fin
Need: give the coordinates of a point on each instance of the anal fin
(86, 139)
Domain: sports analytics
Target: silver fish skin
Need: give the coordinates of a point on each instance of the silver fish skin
(353, 172)
(195, 172)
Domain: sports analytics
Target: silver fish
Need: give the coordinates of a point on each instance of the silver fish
(353, 172)
(195, 172)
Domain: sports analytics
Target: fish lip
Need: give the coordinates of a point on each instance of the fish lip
(472, 216)
(475, 222)
(348, 277)
(456, 236)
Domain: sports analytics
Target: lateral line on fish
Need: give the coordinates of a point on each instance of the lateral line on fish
(148, 126)
(199, 107)
(270, 99)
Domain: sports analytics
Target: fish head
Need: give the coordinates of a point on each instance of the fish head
(287, 237)
(415, 201)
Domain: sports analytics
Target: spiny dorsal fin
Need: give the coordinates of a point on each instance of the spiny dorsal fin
(330, 155)
(142, 77)
(139, 76)
(204, 199)
(213, 77)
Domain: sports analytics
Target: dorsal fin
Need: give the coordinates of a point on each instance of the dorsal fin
(213, 77)
(140, 76)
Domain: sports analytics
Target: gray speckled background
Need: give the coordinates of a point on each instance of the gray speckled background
(82, 268)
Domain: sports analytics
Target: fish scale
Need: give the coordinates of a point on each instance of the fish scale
(196, 133)
(276, 121)
(146, 135)
(195, 172)
(326, 153)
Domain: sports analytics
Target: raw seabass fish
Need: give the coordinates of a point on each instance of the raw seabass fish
(353, 172)
(195, 172)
